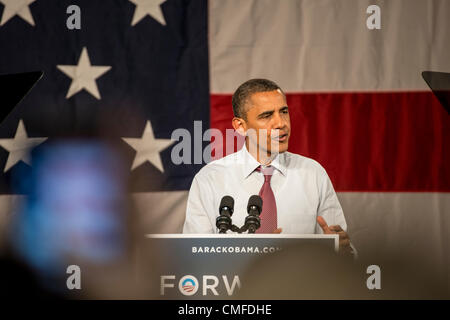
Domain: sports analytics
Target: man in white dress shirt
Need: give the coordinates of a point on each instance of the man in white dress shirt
(304, 201)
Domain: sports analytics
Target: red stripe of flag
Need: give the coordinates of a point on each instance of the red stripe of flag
(386, 141)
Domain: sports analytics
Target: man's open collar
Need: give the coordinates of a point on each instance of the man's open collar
(249, 163)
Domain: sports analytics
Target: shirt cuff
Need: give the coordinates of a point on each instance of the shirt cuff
(354, 251)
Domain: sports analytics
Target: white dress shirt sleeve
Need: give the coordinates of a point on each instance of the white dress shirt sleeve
(329, 207)
(199, 207)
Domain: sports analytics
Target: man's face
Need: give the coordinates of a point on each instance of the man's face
(269, 111)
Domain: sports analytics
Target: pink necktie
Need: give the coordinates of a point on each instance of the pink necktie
(269, 211)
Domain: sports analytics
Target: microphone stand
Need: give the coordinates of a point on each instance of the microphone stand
(249, 225)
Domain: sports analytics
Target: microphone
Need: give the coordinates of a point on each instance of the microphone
(223, 221)
(254, 208)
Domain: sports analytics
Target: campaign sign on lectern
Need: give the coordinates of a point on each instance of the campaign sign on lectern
(197, 266)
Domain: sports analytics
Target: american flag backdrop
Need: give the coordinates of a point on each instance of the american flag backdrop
(135, 71)
(143, 68)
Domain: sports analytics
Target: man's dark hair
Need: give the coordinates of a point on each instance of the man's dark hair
(244, 92)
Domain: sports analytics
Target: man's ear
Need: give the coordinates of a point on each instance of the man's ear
(239, 125)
